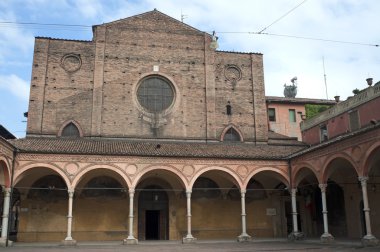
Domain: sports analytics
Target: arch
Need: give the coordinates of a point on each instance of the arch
(368, 158)
(19, 174)
(171, 169)
(236, 180)
(235, 130)
(296, 179)
(90, 168)
(280, 175)
(327, 171)
(67, 123)
(4, 164)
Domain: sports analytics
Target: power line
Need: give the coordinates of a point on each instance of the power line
(287, 13)
(73, 27)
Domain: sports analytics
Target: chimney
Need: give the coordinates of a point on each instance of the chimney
(369, 81)
(337, 98)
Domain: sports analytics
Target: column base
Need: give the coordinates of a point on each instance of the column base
(296, 236)
(130, 241)
(370, 241)
(244, 238)
(3, 242)
(69, 242)
(327, 238)
(189, 239)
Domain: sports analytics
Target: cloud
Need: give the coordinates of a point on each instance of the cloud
(15, 85)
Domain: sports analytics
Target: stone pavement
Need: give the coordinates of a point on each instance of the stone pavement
(202, 246)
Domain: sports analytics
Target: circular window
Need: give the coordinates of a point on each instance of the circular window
(155, 94)
(71, 62)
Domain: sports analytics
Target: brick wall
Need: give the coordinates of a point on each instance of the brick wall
(95, 83)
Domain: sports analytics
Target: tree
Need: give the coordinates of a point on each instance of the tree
(314, 109)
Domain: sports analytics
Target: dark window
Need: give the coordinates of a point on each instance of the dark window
(272, 114)
(155, 94)
(70, 130)
(232, 135)
(354, 120)
(324, 133)
(292, 115)
(229, 109)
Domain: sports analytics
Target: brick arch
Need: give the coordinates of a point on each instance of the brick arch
(283, 177)
(169, 168)
(303, 166)
(78, 177)
(326, 170)
(236, 180)
(23, 169)
(368, 157)
(67, 123)
(233, 126)
(6, 171)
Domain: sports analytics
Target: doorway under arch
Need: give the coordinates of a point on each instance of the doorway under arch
(153, 213)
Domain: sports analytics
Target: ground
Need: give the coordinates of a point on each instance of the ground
(206, 246)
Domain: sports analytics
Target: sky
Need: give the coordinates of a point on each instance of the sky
(345, 64)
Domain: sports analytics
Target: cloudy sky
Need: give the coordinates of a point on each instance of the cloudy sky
(347, 63)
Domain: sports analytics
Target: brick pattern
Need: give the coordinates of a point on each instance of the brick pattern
(101, 95)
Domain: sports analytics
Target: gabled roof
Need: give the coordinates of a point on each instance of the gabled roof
(158, 15)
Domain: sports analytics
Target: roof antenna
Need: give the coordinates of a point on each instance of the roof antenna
(324, 75)
(183, 16)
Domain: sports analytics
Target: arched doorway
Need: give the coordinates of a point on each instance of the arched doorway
(153, 217)
(160, 205)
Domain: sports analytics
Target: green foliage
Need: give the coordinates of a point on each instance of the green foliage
(314, 109)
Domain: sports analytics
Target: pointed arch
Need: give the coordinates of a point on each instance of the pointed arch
(231, 133)
(70, 128)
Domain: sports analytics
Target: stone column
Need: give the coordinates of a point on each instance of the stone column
(69, 241)
(295, 235)
(189, 237)
(244, 237)
(130, 239)
(326, 236)
(368, 239)
(5, 218)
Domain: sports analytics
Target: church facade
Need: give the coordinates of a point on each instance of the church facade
(148, 132)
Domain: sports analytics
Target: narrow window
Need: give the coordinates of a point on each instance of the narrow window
(354, 120)
(229, 109)
(231, 135)
(323, 133)
(70, 130)
(272, 114)
(292, 115)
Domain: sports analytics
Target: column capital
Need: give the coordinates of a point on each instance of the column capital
(6, 190)
(131, 190)
(363, 180)
(323, 187)
(294, 190)
(70, 192)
